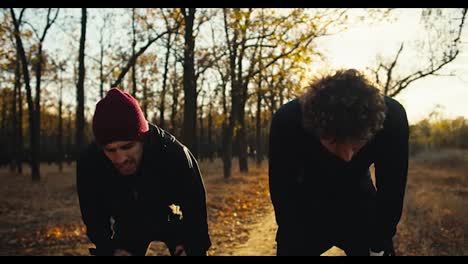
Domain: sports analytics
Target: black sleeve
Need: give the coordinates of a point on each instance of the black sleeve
(283, 169)
(196, 238)
(391, 169)
(95, 216)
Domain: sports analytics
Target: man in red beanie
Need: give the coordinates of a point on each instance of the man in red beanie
(137, 184)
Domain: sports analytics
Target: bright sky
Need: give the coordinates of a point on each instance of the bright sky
(358, 47)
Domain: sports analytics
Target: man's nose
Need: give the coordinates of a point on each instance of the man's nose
(119, 157)
(346, 154)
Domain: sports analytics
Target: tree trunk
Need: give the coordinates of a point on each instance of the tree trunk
(227, 150)
(281, 96)
(231, 130)
(37, 124)
(70, 147)
(19, 127)
(272, 104)
(242, 139)
(14, 121)
(80, 118)
(60, 128)
(101, 72)
(164, 84)
(145, 99)
(228, 127)
(189, 132)
(258, 127)
(210, 133)
(134, 86)
(34, 144)
(201, 146)
(174, 105)
(4, 118)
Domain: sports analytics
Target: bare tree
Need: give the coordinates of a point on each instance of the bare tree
(17, 103)
(102, 46)
(442, 48)
(80, 118)
(31, 112)
(133, 59)
(18, 123)
(33, 109)
(175, 84)
(172, 29)
(287, 35)
(61, 151)
(189, 131)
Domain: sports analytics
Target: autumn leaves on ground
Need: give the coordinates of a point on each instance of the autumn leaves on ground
(44, 218)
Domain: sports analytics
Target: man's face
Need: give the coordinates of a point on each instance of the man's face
(125, 155)
(344, 151)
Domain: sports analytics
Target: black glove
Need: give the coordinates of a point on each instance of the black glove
(384, 248)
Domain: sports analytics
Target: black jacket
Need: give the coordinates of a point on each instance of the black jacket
(313, 191)
(138, 204)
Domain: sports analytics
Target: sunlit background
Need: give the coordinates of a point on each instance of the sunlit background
(359, 46)
(254, 59)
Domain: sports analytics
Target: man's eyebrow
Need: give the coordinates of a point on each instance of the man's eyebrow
(109, 149)
(130, 144)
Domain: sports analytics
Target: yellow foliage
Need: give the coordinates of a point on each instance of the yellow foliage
(441, 133)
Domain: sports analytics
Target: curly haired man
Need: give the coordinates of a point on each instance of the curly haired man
(322, 145)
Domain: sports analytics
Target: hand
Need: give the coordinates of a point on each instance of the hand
(376, 254)
(122, 252)
(382, 253)
(179, 251)
(384, 248)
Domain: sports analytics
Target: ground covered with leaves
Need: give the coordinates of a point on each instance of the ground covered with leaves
(44, 218)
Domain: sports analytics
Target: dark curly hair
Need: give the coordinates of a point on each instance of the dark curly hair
(344, 107)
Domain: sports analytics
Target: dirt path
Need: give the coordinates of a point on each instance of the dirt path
(44, 218)
(262, 240)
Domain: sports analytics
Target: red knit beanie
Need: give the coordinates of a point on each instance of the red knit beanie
(118, 117)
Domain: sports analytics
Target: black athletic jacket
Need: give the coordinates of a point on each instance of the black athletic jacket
(139, 204)
(313, 191)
